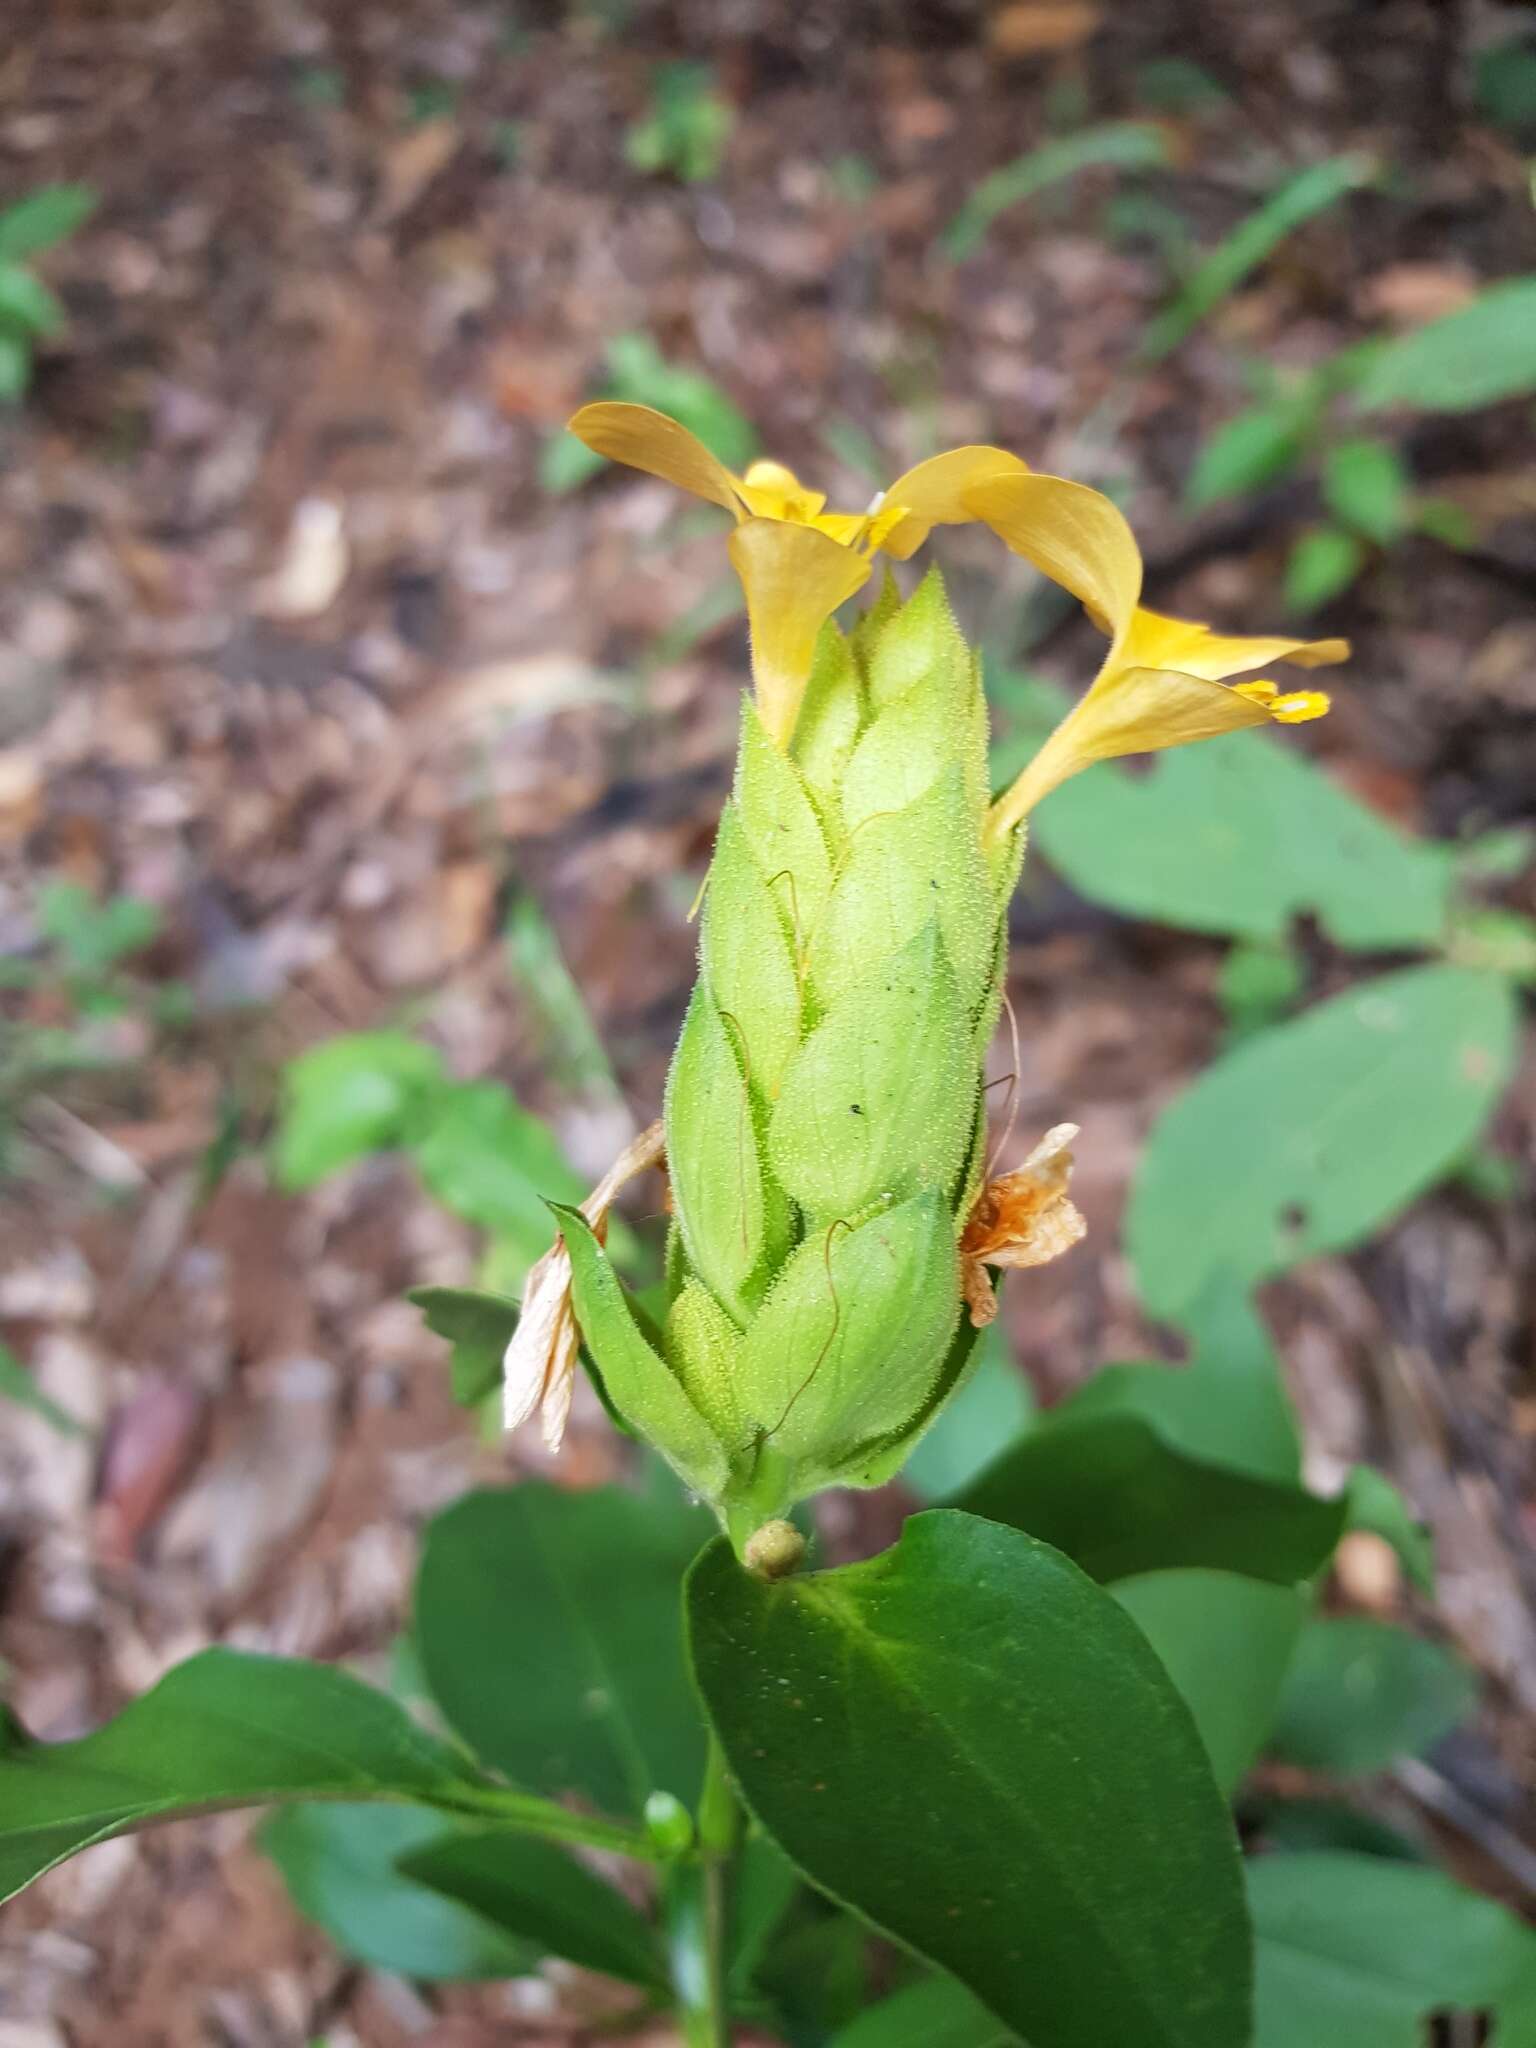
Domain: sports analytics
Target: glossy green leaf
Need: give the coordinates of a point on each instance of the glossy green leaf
(1308, 1138)
(987, 1713)
(1242, 837)
(1119, 1498)
(491, 1162)
(1226, 1642)
(1357, 1952)
(1256, 448)
(224, 1729)
(351, 1096)
(1367, 487)
(1362, 1693)
(339, 1864)
(1321, 566)
(44, 218)
(880, 1100)
(934, 2013)
(636, 1378)
(539, 1895)
(993, 1407)
(478, 1326)
(547, 1624)
(1481, 353)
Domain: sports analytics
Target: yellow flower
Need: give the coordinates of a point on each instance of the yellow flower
(797, 561)
(1164, 681)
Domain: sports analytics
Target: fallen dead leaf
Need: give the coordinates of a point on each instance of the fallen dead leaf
(316, 557)
(1032, 28)
(1412, 294)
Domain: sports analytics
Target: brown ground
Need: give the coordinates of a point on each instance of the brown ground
(333, 791)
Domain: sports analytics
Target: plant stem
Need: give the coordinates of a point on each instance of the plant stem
(535, 1816)
(698, 1907)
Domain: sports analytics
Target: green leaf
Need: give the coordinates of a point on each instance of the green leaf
(18, 1385)
(224, 1729)
(1260, 445)
(1243, 836)
(1228, 1405)
(1301, 198)
(874, 1105)
(993, 1406)
(478, 1326)
(92, 936)
(43, 218)
(1259, 983)
(636, 1379)
(1226, 1643)
(1362, 1693)
(935, 2013)
(1005, 1713)
(1476, 356)
(1366, 487)
(491, 1162)
(27, 303)
(1504, 86)
(1322, 565)
(539, 1895)
(1358, 1952)
(1118, 1498)
(1113, 145)
(15, 367)
(1308, 1138)
(548, 1630)
(339, 1864)
(349, 1097)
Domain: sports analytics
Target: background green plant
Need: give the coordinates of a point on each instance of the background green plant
(29, 311)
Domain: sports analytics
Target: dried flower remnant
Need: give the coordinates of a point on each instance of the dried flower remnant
(538, 1368)
(1025, 1218)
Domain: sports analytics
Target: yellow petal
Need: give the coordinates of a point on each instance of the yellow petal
(1155, 641)
(773, 491)
(648, 440)
(795, 578)
(1075, 535)
(933, 493)
(1130, 711)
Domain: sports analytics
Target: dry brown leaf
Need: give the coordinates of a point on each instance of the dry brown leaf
(1033, 28)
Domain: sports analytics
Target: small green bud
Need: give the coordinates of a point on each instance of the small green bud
(669, 1824)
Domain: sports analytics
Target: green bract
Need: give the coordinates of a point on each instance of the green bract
(824, 1121)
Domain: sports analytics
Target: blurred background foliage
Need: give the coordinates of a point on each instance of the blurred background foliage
(360, 747)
